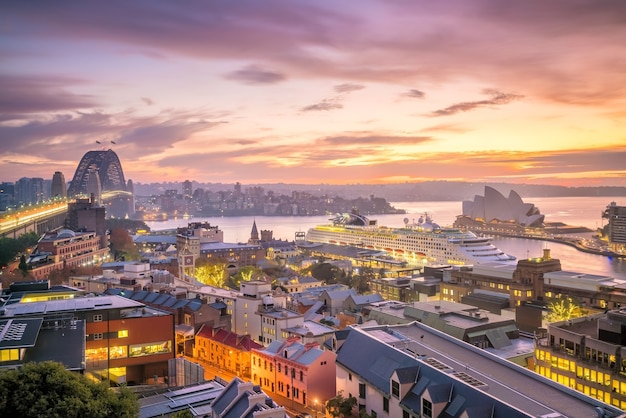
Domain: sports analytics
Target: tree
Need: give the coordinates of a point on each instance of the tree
(325, 272)
(245, 274)
(23, 266)
(10, 247)
(47, 389)
(340, 407)
(562, 310)
(122, 245)
(210, 272)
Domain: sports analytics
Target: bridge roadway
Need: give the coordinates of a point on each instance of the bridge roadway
(39, 219)
(42, 217)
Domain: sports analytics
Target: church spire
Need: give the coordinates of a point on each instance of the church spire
(254, 234)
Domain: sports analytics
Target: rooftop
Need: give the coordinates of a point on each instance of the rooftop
(417, 343)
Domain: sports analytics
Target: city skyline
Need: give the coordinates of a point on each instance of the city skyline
(316, 91)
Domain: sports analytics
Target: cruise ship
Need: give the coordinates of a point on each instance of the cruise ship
(422, 243)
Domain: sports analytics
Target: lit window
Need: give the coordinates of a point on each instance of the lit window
(123, 333)
(9, 354)
(162, 347)
(120, 351)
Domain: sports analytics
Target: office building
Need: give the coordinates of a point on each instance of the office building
(587, 354)
(535, 279)
(125, 341)
(415, 371)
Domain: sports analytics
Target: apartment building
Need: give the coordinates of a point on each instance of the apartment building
(303, 373)
(66, 248)
(226, 350)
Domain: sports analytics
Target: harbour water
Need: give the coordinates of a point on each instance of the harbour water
(573, 211)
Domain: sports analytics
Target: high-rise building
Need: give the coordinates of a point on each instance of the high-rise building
(617, 227)
(29, 190)
(58, 188)
(187, 189)
(7, 195)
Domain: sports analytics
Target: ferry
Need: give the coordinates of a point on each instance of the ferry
(423, 243)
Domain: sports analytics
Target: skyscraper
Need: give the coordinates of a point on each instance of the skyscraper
(59, 188)
(29, 190)
(187, 190)
(7, 195)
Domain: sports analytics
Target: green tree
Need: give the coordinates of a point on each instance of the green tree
(126, 224)
(245, 274)
(325, 272)
(48, 390)
(212, 273)
(562, 309)
(10, 247)
(340, 407)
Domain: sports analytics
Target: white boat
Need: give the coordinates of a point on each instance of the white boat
(424, 242)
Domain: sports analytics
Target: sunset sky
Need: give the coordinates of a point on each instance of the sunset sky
(317, 91)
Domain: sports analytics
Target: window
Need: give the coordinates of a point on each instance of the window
(362, 390)
(350, 377)
(120, 351)
(98, 336)
(149, 349)
(427, 408)
(395, 389)
(97, 318)
(10, 354)
(385, 404)
(123, 333)
(301, 375)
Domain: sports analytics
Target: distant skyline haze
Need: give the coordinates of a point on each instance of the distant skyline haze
(317, 91)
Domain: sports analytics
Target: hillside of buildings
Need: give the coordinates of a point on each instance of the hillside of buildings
(405, 192)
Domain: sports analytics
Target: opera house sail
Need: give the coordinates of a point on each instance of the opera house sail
(494, 210)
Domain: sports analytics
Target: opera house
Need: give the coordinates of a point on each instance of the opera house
(495, 211)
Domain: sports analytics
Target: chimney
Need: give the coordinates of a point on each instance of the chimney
(546, 254)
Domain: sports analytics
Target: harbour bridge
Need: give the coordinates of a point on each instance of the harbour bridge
(99, 172)
(46, 216)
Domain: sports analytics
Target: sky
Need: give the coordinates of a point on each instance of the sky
(309, 92)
